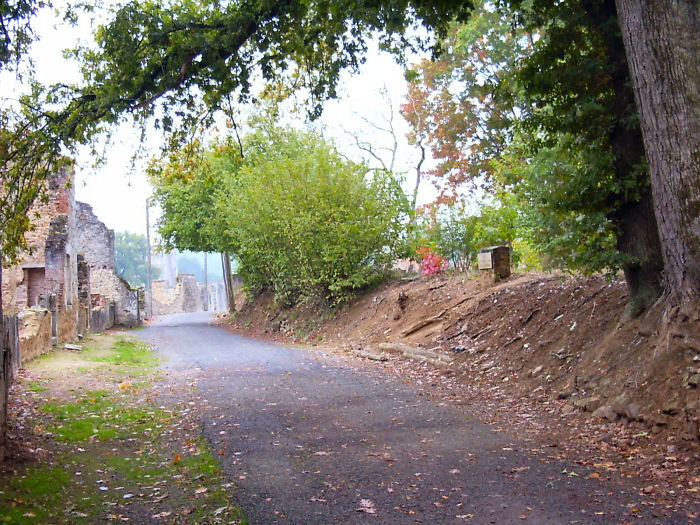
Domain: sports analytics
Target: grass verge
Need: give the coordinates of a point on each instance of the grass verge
(106, 447)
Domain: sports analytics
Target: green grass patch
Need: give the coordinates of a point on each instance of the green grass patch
(101, 415)
(125, 353)
(203, 463)
(36, 386)
(33, 496)
(112, 448)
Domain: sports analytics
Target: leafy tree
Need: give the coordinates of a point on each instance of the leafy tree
(661, 42)
(454, 233)
(456, 105)
(449, 231)
(187, 184)
(16, 33)
(29, 151)
(596, 102)
(176, 64)
(497, 223)
(193, 56)
(579, 160)
(27, 157)
(131, 255)
(552, 118)
(305, 222)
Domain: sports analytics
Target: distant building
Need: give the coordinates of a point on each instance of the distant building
(187, 296)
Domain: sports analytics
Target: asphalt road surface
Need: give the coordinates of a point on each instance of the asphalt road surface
(307, 440)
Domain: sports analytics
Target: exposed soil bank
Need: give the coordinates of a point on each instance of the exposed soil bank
(541, 353)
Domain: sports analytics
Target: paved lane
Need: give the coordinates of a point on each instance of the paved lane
(308, 440)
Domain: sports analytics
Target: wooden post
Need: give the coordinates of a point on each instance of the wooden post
(149, 304)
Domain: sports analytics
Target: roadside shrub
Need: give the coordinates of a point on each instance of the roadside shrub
(431, 263)
(308, 223)
(456, 234)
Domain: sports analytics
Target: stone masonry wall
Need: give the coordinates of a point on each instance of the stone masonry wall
(47, 272)
(96, 243)
(185, 297)
(34, 333)
(14, 278)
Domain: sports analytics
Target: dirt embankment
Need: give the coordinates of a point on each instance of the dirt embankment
(535, 336)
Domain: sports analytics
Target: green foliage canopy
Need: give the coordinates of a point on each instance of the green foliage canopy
(187, 186)
(131, 254)
(305, 222)
(175, 64)
(456, 234)
(299, 219)
(577, 161)
(534, 98)
(458, 104)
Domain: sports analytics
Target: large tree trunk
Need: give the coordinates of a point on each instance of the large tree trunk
(638, 236)
(637, 230)
(662, 45)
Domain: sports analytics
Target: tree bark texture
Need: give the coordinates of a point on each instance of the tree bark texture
(662, 44)
(228, 281)
(638, 236)
(637, 230)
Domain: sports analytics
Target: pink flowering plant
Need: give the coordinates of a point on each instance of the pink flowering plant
(431, 263)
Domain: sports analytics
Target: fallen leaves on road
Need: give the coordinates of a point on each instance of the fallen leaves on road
(367, 506)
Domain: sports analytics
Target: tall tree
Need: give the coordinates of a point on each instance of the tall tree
(582, 122)
(547, 84)
(662, 42)
(130, 252)
(455, 105)
(193, 56)
(186, 184)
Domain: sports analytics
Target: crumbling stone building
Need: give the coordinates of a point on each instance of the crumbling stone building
(184, 297)
(69, 271)
(47, 274)
(96, 243)
(187, 296)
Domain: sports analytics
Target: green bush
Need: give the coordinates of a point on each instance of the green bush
(451, 231)
(307, 223)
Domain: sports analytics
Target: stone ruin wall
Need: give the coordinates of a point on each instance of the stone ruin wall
(53, 218)
(47, 272)
(184, 297)
(96, 242)
(68, 269)
(188, 296)
(34, 333)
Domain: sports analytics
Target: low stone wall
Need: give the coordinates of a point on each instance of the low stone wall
(68, 324)
(185, 297)
(34, 333)
(102, 318)
(129, 306)
(9, 363)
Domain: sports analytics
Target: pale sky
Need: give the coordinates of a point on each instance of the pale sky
(117, 189)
